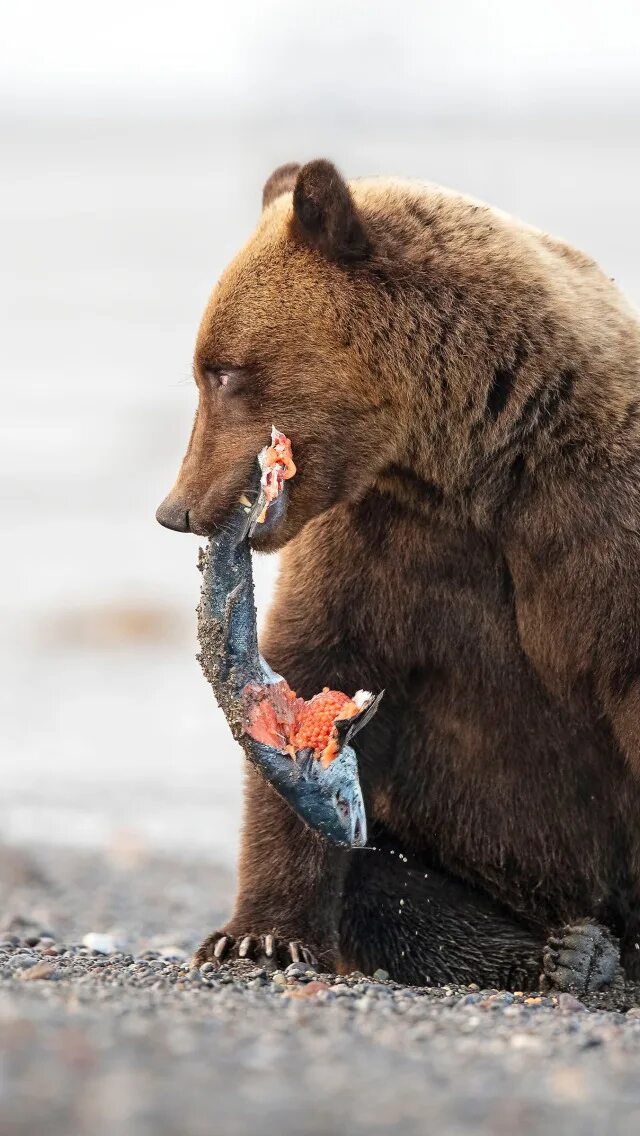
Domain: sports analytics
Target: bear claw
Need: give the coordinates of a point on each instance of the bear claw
(581, 959)
(266, 950)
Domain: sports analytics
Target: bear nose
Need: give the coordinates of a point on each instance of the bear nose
(173, 514)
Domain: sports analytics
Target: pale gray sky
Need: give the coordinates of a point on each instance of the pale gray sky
(262, 54)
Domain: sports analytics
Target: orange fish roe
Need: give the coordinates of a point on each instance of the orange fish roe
(275, 716)
(315, 723)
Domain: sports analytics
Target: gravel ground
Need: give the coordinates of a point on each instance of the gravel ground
(134, 1041)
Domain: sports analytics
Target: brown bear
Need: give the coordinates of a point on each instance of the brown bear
(463, 395)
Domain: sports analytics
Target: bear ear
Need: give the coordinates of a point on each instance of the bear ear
(324, 213)
(282, 180)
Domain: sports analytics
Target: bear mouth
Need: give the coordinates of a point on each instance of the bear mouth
(258, 534)
(267, 512)
(273, 521)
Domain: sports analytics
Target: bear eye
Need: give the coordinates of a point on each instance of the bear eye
(224, 378)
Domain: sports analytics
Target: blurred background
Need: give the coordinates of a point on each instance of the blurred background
(135, 140)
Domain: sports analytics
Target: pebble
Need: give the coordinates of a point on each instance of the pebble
(22, 961)
(278, 979)
(568, 1004)
(381, 975)
(309, 990)
(360, 987)
(300, 970)
(207, 968)
(364, 1005)
(469, 1000)
(497, 1001)
(525, 1041)
(40, 970)
(175, 953)
(105, 944)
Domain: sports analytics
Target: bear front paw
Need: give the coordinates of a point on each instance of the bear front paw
(269, 950)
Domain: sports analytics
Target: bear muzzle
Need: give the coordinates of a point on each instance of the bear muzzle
(176, 514)
(173, 514)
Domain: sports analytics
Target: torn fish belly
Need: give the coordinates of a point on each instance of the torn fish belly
(275, 715)
(302, 747)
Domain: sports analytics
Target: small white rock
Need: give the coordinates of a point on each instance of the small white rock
(105, 943)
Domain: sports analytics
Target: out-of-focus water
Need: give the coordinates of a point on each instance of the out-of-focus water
(112, 234)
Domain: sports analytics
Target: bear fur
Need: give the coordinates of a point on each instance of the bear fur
(463, 396)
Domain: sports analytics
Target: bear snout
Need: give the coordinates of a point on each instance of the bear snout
(173, 513)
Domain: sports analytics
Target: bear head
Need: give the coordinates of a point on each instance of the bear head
(291, 337)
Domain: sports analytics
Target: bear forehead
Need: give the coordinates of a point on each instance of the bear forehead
(406, 218)
(418, 212)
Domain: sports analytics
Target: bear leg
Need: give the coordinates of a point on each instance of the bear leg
(290, 889)
(425, 928)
